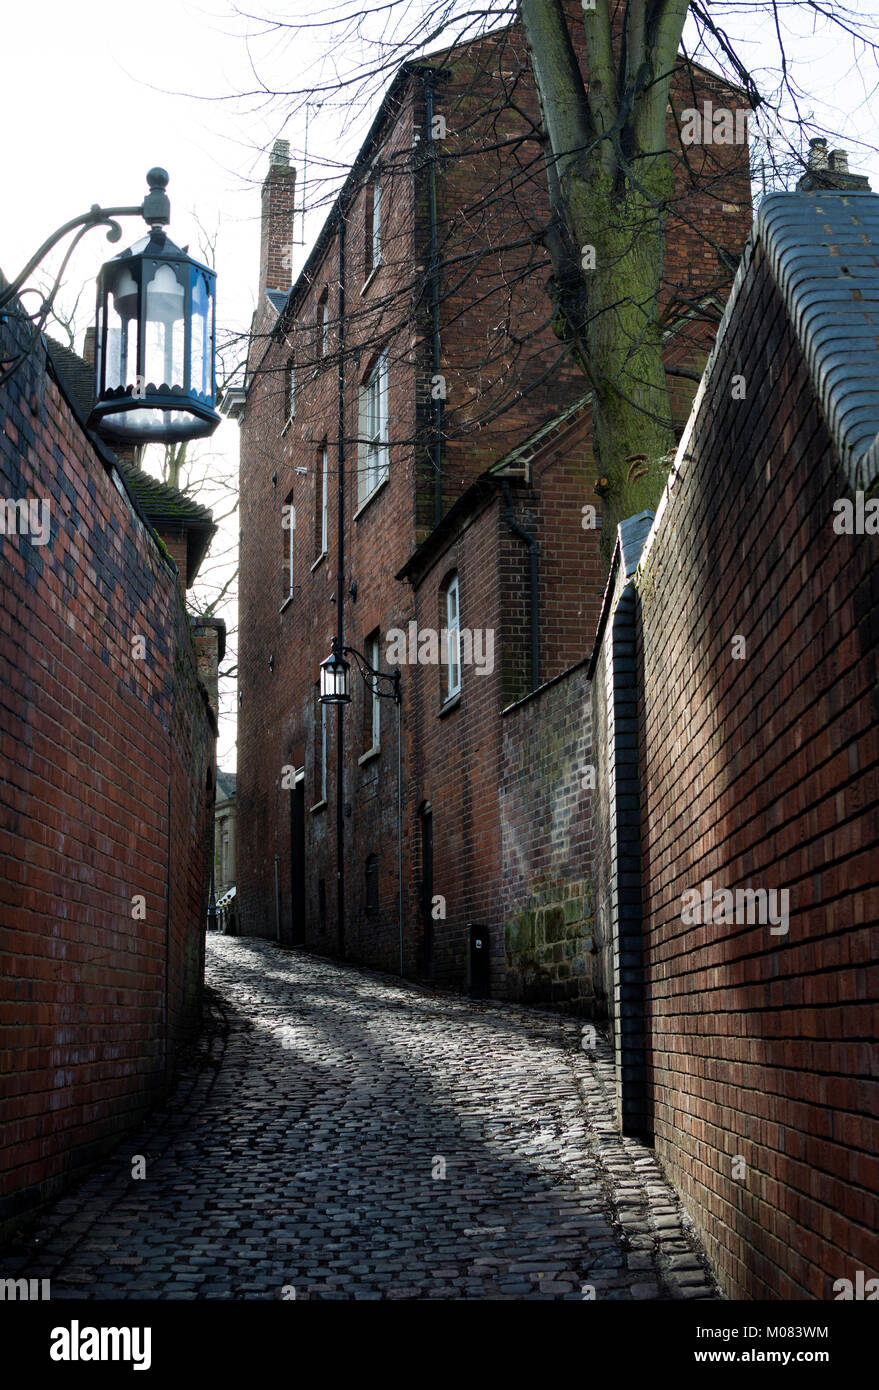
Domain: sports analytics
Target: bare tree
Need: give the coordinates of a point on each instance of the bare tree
(601, 142)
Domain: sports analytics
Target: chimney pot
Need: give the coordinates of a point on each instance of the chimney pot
(830, 170)
(280, 153)
(818, 153)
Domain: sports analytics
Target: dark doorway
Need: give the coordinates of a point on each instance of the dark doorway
(426, 817)
(297, 862)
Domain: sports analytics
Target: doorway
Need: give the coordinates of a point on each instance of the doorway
(297, 859)
(426, 818)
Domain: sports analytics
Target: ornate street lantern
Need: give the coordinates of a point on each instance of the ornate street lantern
(334, 678)
(155, 336)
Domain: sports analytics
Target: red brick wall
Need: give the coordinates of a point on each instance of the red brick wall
(176, 548)
(278, 708)
(103, 767)
(762, 772)
(455, 762)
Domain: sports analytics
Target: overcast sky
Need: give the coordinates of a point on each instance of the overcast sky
(91, 101)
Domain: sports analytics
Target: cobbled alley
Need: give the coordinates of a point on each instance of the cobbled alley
(341, 1135)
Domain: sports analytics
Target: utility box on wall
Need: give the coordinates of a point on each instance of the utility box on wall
(479, 961)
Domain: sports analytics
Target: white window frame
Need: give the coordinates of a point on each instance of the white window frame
(325, 500)
(323, 753)
(372, 656)
(453, 628)
(291, 549)
(374, 457)
(324, 312)
(375, 230)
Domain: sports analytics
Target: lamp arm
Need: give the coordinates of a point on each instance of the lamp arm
(95, 217)
(39, 317)
(363, 666)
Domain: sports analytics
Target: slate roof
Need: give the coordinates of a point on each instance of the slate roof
(521, 455)
(226, 784)
(822, 249)
(633, 532)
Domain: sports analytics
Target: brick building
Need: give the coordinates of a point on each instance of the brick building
(413, 365)
(225, 833)
(107, 763)
(736, 738)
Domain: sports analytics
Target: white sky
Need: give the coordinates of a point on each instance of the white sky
(89, 105)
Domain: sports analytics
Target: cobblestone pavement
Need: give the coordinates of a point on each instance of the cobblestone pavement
(348, 1136)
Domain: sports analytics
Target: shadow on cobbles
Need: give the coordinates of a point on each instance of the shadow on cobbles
(345, 1135)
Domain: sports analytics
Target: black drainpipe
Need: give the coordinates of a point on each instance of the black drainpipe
(437, 444)
(533, 552)
(340, 599)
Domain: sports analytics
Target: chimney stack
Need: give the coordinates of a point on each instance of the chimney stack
(88, 347)
(829, 170)
(276, 245)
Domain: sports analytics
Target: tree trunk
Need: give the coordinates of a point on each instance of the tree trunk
(611, 182)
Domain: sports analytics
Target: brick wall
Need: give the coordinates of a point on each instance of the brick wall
(546, 891)
(105, 766)
(504, 774)
(758, 769)
(455, 761)
(285, 636)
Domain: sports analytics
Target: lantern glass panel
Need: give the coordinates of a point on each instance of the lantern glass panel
(202, 347)
(122, 329)
(165, 336)
(334, 680)
(99, 342)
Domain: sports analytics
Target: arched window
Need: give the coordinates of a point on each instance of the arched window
(451, 648)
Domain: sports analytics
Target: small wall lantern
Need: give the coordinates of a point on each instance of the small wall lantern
(335, 678)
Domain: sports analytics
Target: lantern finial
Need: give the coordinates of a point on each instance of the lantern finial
(157, 204)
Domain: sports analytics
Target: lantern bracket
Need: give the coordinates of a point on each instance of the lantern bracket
(155, 209)
(371, 676)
